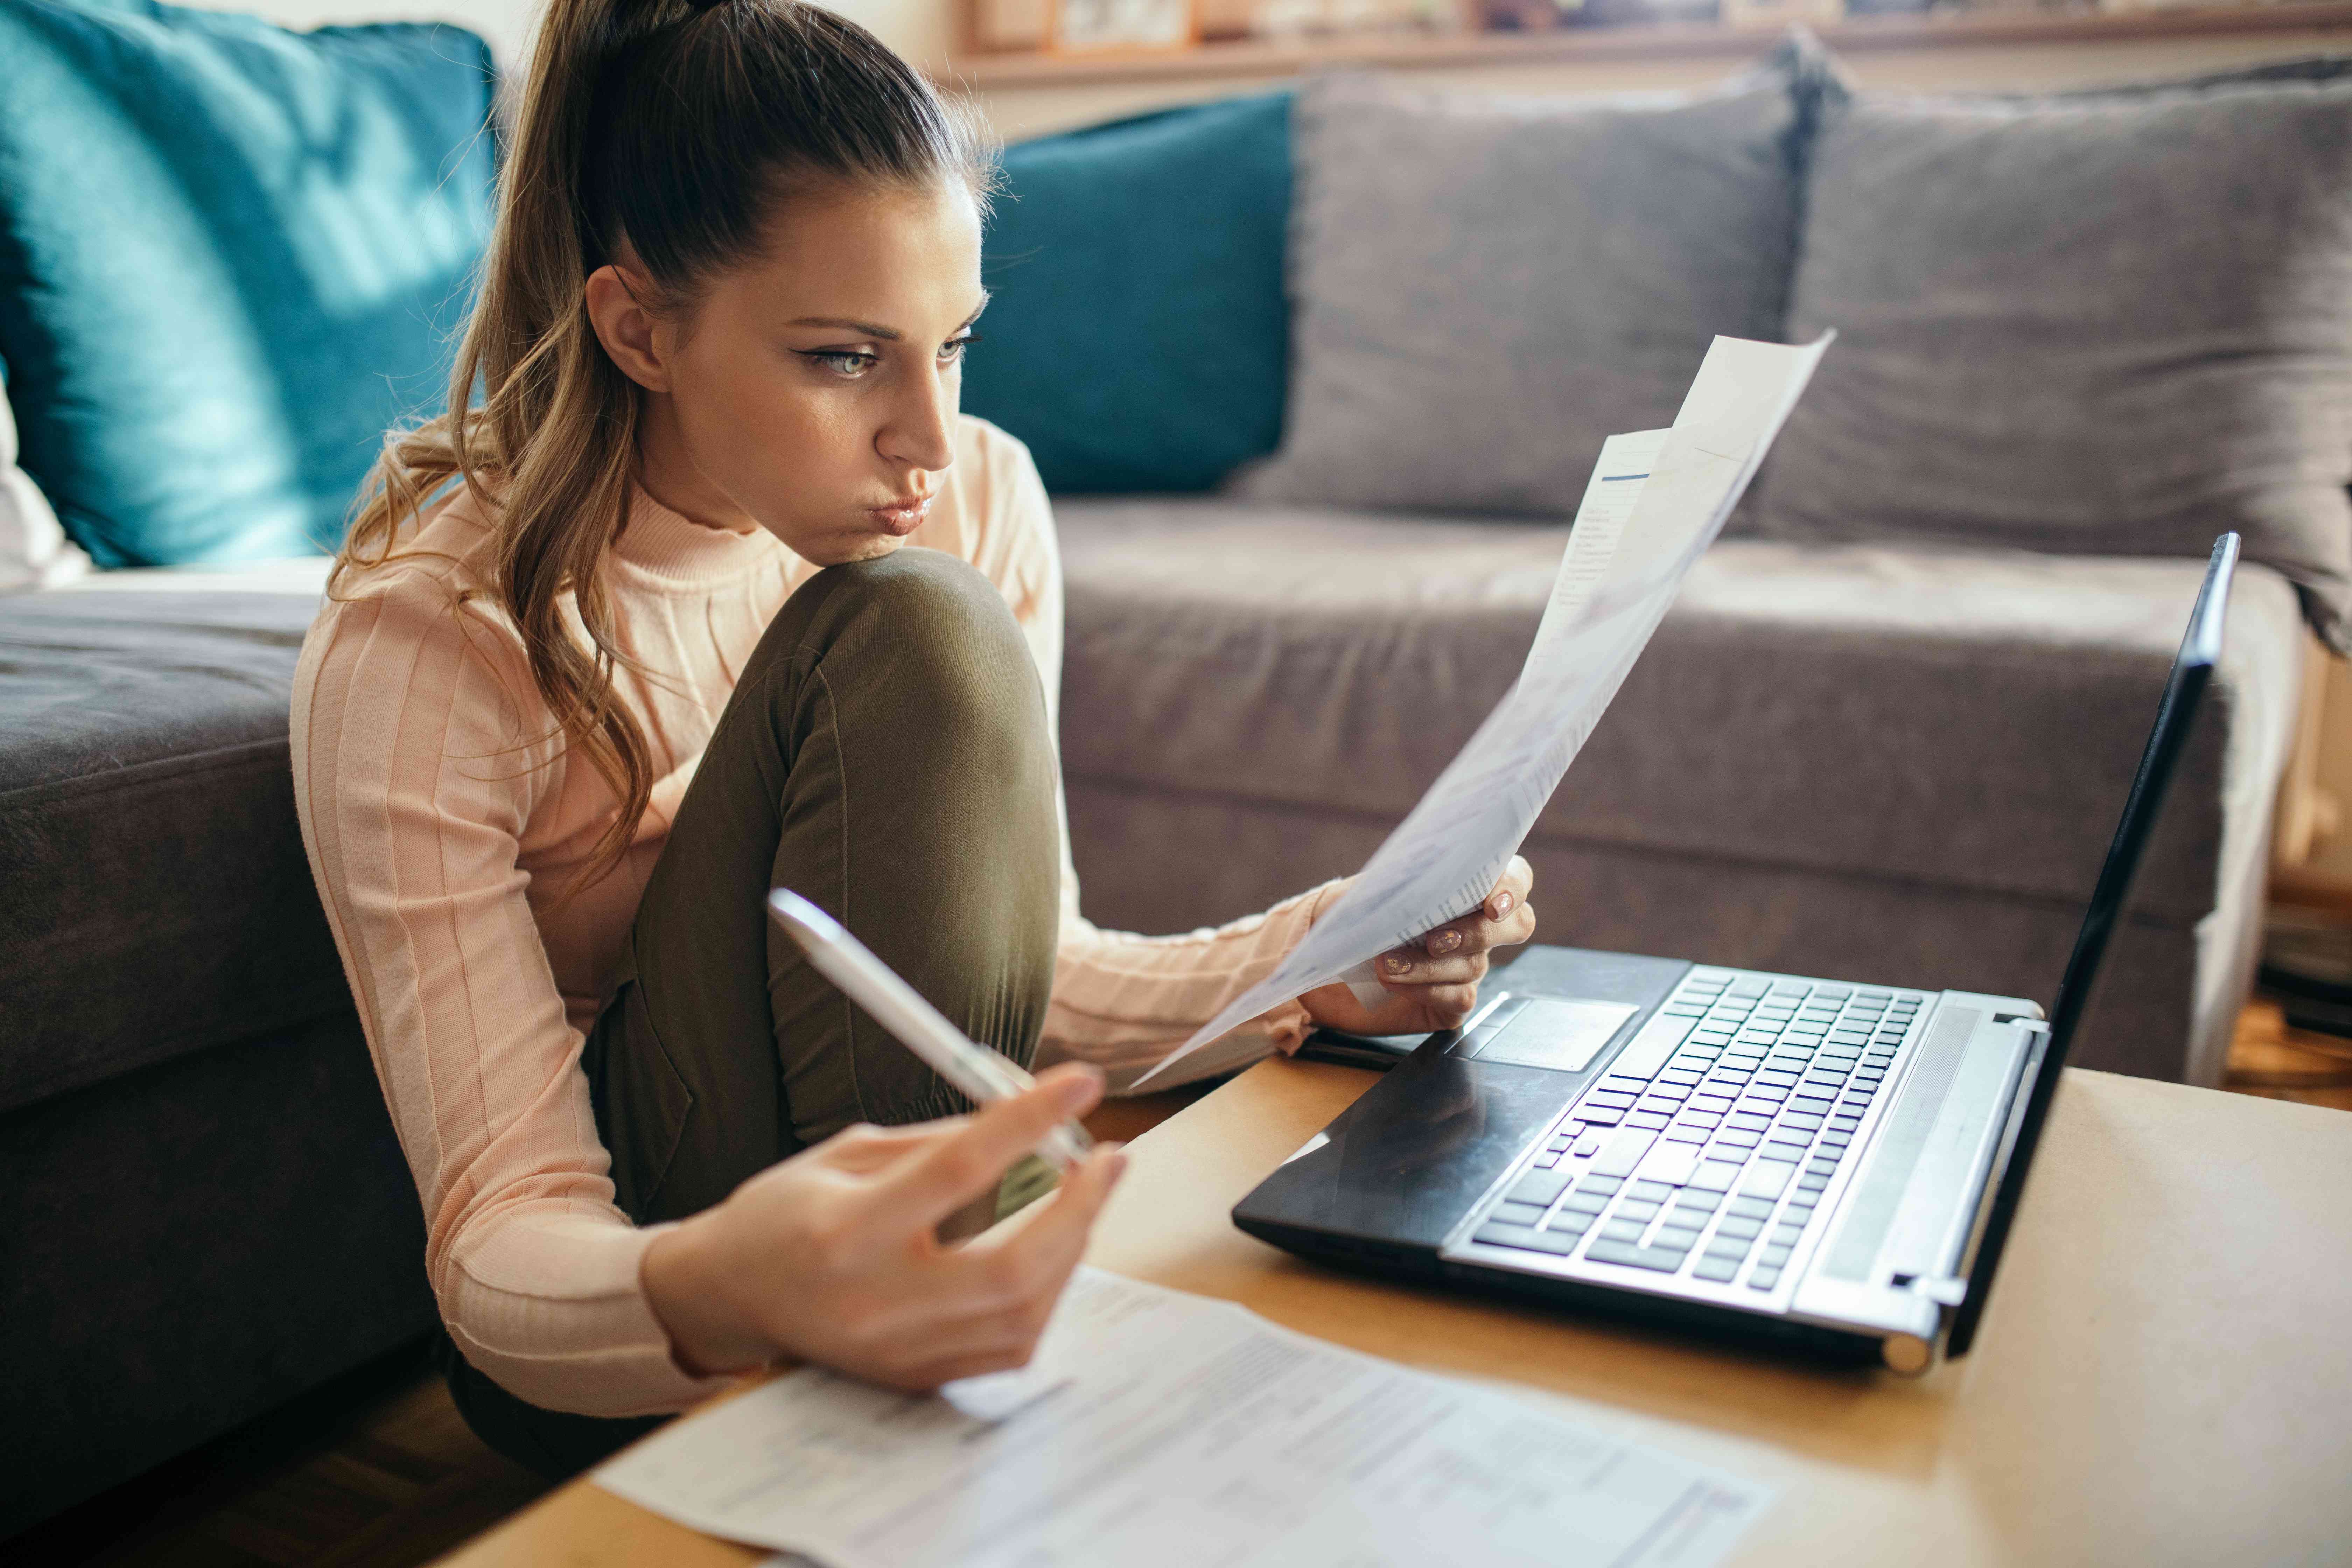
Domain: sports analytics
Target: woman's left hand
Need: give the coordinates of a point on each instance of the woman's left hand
(1433, 983)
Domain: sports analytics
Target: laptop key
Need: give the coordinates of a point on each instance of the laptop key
(1774, 1256)
(1716, 1271)
(1664, 1260)
(1730, 1248)
(1624, 1230)
(1767, 1179)
(1787, 1234)
(1668, 1165)
(1733, 1227)
(1540, 1187)
(1622, 1152)
(1518, 1213)
(1715, 1175)
(1676, 1239)
(1763, 1279)
(1581, 1202)
(1749, 1208)
(1525, 1239)
(1568, 1222)
(1601, 1115)
(1649, 1121)
(1605, 1185)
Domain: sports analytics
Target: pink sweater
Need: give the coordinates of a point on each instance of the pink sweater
(443, 822)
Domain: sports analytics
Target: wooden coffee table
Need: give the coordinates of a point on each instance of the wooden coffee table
(2165, 1374)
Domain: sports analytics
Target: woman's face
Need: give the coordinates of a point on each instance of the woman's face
(813, 391)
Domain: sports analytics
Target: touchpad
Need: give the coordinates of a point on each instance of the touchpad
(1559, 1033)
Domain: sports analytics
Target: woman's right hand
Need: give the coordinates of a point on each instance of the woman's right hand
(832, 1255)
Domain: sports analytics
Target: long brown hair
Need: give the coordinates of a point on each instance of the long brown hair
(671, 128)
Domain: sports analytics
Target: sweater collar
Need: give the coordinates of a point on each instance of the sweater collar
(670, 547)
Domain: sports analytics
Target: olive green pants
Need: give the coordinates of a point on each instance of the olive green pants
(886, 755)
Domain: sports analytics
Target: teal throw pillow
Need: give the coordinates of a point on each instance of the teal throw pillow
(1139, 339)
(230, 258)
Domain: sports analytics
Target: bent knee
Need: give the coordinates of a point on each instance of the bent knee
(934, 622)
(915, 589)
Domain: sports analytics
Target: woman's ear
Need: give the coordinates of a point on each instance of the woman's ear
(627, 328)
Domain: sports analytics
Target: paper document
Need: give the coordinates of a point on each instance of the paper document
(1615, 583)
(1156, 1430)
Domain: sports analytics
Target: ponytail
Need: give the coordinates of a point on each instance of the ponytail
(671, 128)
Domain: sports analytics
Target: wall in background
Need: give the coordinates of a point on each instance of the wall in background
(922, 30)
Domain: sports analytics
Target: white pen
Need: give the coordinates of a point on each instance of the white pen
(982, 1074)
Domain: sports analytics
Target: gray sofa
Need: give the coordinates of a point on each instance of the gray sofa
(1866, 763)
(1895, 757)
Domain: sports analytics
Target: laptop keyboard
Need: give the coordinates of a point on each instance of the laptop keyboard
(1709, 1163)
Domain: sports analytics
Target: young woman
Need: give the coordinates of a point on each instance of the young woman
(635, 638)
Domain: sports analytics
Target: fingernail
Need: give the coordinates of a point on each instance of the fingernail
(1502, 905)
(1397, 964)
(1445, 941)
(1075, 1090)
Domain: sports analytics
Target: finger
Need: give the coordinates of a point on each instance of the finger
(862, 1147)
(1026, 1261)
(929, 1376)
(1449, 1004)
(940, 1179)
(1000, 1333)
(1511, 891)
(1405, 967)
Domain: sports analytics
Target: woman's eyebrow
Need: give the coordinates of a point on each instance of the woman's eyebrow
(868, 329)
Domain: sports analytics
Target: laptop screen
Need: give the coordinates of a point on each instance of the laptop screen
(2192, 671)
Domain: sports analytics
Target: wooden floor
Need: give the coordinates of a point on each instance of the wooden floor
(378, 1471)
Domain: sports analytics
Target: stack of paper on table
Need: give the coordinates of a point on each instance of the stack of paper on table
(1157, 1429)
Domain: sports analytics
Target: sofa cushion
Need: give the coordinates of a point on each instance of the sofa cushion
(230, 258)
(1967, 720)
(1485, 287)
(2113, 322)
(1136, 336)
(153, 895)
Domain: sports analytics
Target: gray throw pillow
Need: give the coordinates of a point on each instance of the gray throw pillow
(2113, 322)
(1485, 287)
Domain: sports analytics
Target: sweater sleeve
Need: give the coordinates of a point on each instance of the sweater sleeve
(416, 764)
(1119, 1000)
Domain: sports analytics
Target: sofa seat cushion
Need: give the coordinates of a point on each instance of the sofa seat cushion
(155, 899)
(1967, 720)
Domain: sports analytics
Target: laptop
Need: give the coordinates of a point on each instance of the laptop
(1823, 1165)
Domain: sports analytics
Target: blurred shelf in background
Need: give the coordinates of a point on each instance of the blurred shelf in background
(999, 59)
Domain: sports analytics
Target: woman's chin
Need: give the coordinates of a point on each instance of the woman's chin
(843, 550)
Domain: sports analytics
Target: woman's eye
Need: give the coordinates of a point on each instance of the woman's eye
(952, 351)
(849, 363)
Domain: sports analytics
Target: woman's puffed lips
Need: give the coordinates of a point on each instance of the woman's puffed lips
(901, 518)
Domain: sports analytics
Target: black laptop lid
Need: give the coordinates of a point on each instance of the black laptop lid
(2192, 671)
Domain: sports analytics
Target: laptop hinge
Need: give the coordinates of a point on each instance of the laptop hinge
(1944, 1289)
